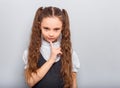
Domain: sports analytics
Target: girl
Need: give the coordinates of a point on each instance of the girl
(50, 60)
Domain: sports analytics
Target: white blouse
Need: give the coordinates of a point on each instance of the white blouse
(45, 51)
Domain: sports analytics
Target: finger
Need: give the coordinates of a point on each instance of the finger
(60, 53)
(58, 48)
(51, 44)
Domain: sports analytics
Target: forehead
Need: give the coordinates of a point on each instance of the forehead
(51, 22)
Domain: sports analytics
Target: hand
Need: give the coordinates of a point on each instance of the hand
(54, 51)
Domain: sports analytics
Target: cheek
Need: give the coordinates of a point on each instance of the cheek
(58, 35)
(44, 34)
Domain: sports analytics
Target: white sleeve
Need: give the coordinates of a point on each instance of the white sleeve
(75, 62)
(25, 58)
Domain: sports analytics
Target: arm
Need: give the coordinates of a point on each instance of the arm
(74, 76)
(41, 72)
(76, 66)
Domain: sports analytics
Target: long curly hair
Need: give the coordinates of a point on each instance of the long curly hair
(35, 43)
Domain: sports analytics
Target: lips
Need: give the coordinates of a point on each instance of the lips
(51, 39)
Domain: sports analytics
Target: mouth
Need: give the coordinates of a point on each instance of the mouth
(51, 39)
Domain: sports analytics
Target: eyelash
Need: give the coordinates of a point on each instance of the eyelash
(54, 29)
(46, 28)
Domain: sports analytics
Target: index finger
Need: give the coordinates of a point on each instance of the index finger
(51, 44)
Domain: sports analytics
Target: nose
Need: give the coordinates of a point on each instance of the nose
(51, 34)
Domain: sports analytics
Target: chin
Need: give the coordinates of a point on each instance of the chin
(48, 40)
(52, 40)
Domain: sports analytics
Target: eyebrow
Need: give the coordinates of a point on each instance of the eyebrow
(57, 28)
(46, 27)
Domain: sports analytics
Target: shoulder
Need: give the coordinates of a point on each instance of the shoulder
(74, 55)
(75, 61)
(25, 57)
(25, 54)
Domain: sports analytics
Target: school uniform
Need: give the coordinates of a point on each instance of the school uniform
(52, 79)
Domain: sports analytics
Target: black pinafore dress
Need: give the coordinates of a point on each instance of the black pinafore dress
(52, 79)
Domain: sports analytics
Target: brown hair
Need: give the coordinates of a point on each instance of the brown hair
(35, 43)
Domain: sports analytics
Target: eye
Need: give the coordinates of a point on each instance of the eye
(56, 29)
(46, 28)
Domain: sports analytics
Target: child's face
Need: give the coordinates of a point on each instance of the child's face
(51, 28)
